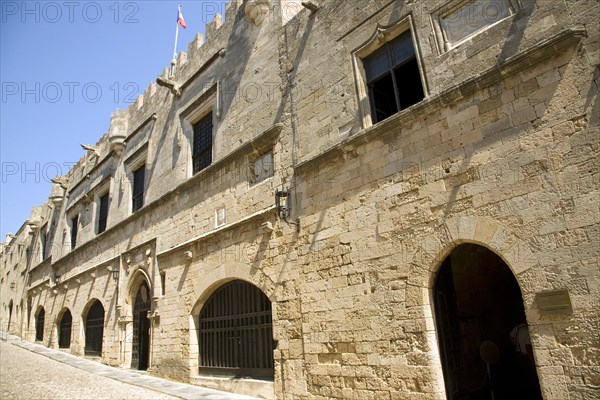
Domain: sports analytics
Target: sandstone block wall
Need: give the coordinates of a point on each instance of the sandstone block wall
(502, 152)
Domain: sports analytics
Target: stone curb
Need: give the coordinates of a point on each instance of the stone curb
(176, 389)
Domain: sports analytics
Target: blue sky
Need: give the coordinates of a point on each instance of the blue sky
(65, 66)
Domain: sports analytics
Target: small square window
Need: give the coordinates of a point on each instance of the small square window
(393, 77)
(138, 188)
(202, 146)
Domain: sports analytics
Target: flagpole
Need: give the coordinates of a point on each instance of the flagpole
(174, 60)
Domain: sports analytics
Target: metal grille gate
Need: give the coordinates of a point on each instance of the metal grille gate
(94, 329)
(141, 329)
(236, 334)
(64, 334)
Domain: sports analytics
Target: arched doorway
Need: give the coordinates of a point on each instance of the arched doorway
(64, 330)
(482, 333)
(10, 311)
(39, 324)
(236, 333)
(94, 329)
(141, 328)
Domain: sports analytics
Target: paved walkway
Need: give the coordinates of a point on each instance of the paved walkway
(172, 390)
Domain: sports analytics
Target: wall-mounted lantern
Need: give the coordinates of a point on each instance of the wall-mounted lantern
(115, 273)
(283, 208)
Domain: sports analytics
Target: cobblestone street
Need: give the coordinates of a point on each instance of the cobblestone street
(26, 374)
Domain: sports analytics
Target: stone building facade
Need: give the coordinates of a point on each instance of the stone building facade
(358, 200)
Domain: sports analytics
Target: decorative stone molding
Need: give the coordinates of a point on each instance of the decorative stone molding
(256, 10)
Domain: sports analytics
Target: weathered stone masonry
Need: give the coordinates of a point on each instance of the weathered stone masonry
(500, 154)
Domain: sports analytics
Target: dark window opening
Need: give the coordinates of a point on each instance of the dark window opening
(479, 314)
(235, 332)
(138, 188)
(64, 333)
(202, 146)
(393, 78)
(39, 325)
(103, 213)
(74, 228)
(94, 329)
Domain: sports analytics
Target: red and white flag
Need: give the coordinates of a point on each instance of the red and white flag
(180, 19)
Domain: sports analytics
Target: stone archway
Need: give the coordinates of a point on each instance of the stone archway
(40, 320)
(65, 328)
(236, 332)
(94, 329)
(483, 338)
(140, 353)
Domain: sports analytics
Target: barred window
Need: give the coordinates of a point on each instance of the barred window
(94, 329)
(393, 78)
(103, 213)
(236, 337)
(202, 146)
(64, 332)
(138, 188)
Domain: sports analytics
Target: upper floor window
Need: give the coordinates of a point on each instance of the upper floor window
(393, 77)
(103, 213)
(138, 188)
(74, 229)
(202, 143)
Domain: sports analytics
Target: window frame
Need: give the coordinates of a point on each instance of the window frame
(207, 102)
(205, 116)
(99, 220)
(381, 37)
(73, 229)
(133, 164)
(134, 173)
